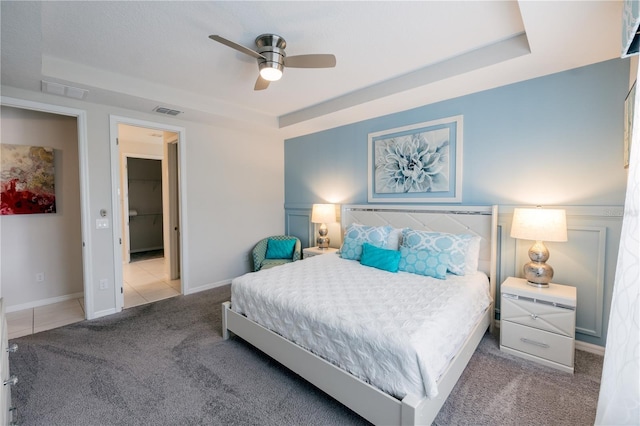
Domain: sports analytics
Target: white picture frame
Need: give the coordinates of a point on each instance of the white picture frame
(418, 163)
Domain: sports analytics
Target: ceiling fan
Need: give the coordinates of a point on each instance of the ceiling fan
(272, 59)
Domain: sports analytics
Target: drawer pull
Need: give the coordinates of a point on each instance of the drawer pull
(13, 380)
(13, 347)
(533, 342)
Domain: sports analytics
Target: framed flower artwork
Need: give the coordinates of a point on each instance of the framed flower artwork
(420, 163)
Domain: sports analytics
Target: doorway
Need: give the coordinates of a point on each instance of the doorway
(84, 216)
(148, 208)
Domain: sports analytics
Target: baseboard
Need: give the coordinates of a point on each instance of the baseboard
(140, 250)
(590, 347)
(206, 287)
(579, 345)
(44, 302)
(104, 313)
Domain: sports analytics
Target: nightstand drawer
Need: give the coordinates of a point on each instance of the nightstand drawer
(536, 342)
(540, 315)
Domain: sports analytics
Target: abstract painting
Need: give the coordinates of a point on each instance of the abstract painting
(26, 180)
(417, 163)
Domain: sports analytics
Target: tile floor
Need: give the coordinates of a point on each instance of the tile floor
(144, 282)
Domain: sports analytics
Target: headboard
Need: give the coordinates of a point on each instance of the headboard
(456, 219)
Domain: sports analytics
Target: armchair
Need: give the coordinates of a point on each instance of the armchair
(260, 251)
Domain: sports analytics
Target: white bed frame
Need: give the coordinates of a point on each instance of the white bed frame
(366, 400)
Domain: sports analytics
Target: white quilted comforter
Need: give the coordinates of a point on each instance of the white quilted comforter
(396, 331)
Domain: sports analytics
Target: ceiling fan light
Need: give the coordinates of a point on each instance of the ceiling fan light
(271, 74)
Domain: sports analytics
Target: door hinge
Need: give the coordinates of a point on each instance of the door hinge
(120, 241)
(117, 141)
(121, 290)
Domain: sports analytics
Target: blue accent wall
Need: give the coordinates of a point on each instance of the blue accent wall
(551, 140)
(555, 140)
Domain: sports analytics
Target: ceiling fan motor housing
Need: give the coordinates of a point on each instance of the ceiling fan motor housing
(271, 46)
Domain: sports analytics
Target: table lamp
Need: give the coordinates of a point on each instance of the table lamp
(323, 214)
(539, 225)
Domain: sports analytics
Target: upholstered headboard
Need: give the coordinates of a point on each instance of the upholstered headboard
(475, 220)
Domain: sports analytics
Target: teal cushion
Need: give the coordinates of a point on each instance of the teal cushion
(357, 234)
(280, 249)
(380, 258)
(424, 262)
(455, 245)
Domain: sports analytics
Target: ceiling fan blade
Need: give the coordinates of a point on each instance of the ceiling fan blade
(261, 83)
(310, 61)
(237, 46)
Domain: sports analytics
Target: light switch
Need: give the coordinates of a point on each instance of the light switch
(102, 223)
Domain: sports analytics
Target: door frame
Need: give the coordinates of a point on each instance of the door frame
(114, 121)
(83, 157)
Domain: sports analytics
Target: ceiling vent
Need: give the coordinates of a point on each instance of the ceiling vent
(63, 90)
(168, 111)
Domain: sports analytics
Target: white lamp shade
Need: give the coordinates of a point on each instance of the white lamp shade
(323, 213)
(539, 224)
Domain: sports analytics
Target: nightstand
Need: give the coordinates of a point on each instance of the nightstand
(315, 251)
(538, 324)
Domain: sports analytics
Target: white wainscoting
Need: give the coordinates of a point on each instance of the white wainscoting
(586, 261)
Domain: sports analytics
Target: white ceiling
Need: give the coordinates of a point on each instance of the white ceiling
(390, 55)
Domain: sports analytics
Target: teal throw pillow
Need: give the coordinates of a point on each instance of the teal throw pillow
(380, 258)
(280, 249)
(424, 262)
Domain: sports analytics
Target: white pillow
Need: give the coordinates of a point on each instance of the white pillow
(395, 239)
(472, 256)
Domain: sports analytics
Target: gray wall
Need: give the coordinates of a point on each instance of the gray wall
(553, 141)
(234, 194)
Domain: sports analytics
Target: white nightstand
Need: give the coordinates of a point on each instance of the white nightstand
(538, 324)
(315, 251)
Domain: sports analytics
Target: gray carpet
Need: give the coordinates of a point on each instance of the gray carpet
(166, 364)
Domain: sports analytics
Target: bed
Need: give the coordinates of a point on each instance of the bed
(319, 317)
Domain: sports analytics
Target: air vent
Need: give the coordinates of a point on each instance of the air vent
(168, 111)
(63, 90)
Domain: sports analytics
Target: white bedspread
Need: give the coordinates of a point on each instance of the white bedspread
(396, 331)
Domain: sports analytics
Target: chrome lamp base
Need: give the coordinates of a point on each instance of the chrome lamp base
(537, 272)
(323, 240)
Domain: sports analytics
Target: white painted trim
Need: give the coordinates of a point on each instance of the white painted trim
(105, 313)
(114, 120)
(206, 287)
(83, 157)
(44, 302)
(589, 347)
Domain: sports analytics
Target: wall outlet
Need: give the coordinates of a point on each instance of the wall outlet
(39, 277)
(104, 284)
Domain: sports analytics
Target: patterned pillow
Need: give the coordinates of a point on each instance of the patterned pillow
(455, 245)
(357, 234)
(380, 258)
(424, 262)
